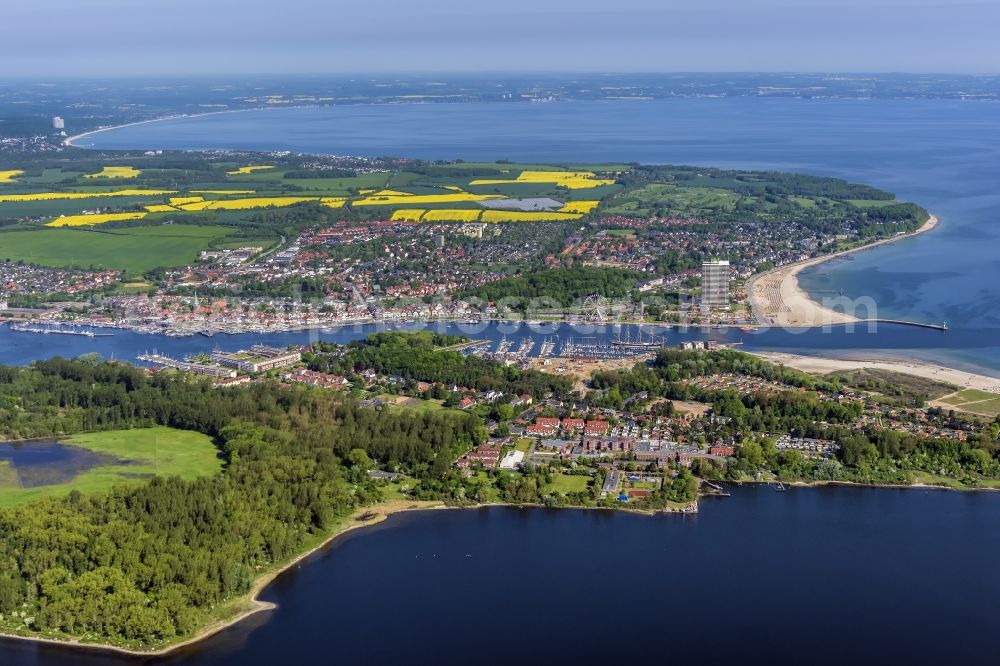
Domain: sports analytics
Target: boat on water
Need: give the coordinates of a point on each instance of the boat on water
(57, 330)
(747, 329)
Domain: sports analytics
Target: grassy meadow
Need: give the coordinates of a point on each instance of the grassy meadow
(136, 250)
(143, 453)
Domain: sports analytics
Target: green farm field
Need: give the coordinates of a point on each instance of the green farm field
(143, 453)
(136, 249)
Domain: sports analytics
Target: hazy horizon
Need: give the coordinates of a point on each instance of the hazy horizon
(117, 38)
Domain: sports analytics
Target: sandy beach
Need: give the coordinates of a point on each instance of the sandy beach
(820, 365)
(777, 299)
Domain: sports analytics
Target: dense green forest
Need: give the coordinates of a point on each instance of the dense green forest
(143, 564)
(417, 357)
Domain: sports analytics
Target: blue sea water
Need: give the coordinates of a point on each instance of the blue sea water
(809, 576)
(942, 154)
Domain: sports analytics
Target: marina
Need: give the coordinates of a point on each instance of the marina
(54, 329)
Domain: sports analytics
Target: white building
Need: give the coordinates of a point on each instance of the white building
(715, 284)
(58, 123)
(512, 460)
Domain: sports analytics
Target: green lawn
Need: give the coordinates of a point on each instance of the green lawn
(569, 483)
(394, 489)
(8, 477)
(682, 200)
(407, 402)
(974, 401)
(871, 203)
(524, 444)
(52, 208)
(137, 249)
(145, 452)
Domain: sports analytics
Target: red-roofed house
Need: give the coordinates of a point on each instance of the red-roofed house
(596, 427)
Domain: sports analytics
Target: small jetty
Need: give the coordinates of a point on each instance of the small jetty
(717, 490)
(943, 326)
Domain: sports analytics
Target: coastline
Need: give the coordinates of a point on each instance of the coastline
(376, 514)
(69, 141)
(825, 365)
(776, 298)
(360, 518)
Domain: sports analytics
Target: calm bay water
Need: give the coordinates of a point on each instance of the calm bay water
(818, 576)
(975, 350)
(944, 155)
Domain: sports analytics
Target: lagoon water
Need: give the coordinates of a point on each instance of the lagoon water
(810, 576)
(48, 462)
(943, 154)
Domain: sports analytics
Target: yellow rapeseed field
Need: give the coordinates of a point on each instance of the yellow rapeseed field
(243, 204)
(583, 207)
(408, 214)
(177, 201)
(8, 176)
(451, 215)
(258, 202)
(389, 193)
(380, 199)
(46, 196)
(160, 208)
(573, 180)
(242, 171)
(523, 216)
(99, 218)
(115, 172)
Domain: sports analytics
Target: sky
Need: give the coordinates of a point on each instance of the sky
(184, 37)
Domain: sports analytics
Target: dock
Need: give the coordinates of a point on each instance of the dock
(57, 330)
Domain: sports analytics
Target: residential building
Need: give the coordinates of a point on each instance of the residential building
(715, 284)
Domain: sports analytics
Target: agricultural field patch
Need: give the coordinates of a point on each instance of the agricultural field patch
(94, 218)
(115, 172)
(136, 249)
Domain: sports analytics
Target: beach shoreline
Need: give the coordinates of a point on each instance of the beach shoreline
(941, 373)
(70, 141)
(777, 299)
